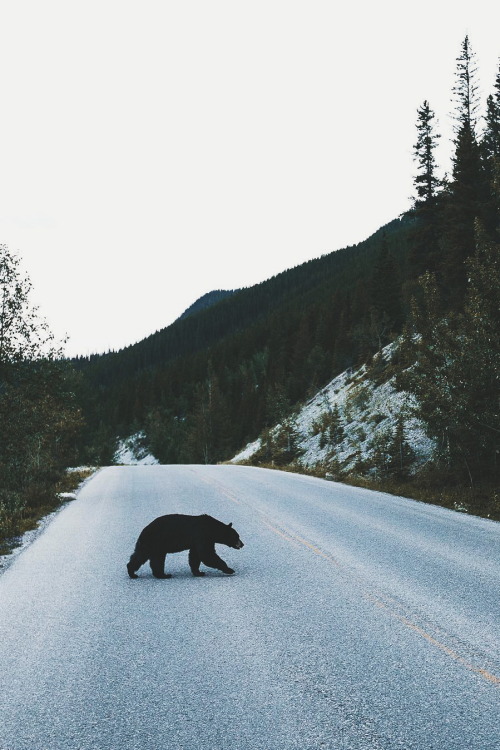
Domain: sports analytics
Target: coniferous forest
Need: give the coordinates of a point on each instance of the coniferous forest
(240, 361)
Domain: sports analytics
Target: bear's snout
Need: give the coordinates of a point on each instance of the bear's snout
(239, 544)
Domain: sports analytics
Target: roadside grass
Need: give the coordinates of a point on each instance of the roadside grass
(432, 488)
(480, 501)
(21, 514)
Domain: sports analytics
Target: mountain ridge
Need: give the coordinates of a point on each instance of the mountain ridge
(206, 301)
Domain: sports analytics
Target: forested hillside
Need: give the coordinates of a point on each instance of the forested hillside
(215, 379)
(212, 380)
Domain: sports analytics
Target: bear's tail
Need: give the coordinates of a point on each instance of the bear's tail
(137, 558)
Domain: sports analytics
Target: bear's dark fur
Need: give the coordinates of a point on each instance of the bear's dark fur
(175, 533)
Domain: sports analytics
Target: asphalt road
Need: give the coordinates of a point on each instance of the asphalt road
(354, 620)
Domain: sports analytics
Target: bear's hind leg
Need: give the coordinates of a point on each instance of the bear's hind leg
(194, 563)
(157, 563)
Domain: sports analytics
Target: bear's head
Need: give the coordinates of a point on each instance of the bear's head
(231, 537)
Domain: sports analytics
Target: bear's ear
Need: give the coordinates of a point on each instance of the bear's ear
(230, 524)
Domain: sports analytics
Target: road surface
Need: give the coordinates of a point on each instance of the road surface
(355, 620)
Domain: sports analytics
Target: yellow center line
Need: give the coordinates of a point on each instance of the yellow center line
(447, 650)
(318, 551)
(280, 533)
(296, 540)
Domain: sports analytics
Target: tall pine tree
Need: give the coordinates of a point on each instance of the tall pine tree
(462, 204)
(424, 254)
(426, 181)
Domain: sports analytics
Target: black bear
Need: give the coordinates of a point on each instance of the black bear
(175, 533)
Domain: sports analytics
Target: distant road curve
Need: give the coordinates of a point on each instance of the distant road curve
(355, 620)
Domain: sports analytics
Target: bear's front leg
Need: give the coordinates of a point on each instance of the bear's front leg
(157, 563)
(211, 558)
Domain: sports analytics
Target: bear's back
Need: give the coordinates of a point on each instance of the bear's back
(175, 532)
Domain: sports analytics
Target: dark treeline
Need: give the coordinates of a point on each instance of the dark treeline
(213, 380)
(204, 386)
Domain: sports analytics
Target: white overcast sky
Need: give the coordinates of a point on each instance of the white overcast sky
(154, 150)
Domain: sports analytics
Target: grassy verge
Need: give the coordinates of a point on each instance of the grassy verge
(483, 501)
(18, 515)
(432, 488)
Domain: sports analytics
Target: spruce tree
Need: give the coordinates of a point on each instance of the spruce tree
(424, 252)
(466, 89)
(462, 204)
(426, 181)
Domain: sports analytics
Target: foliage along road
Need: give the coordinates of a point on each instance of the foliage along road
(354, 620)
